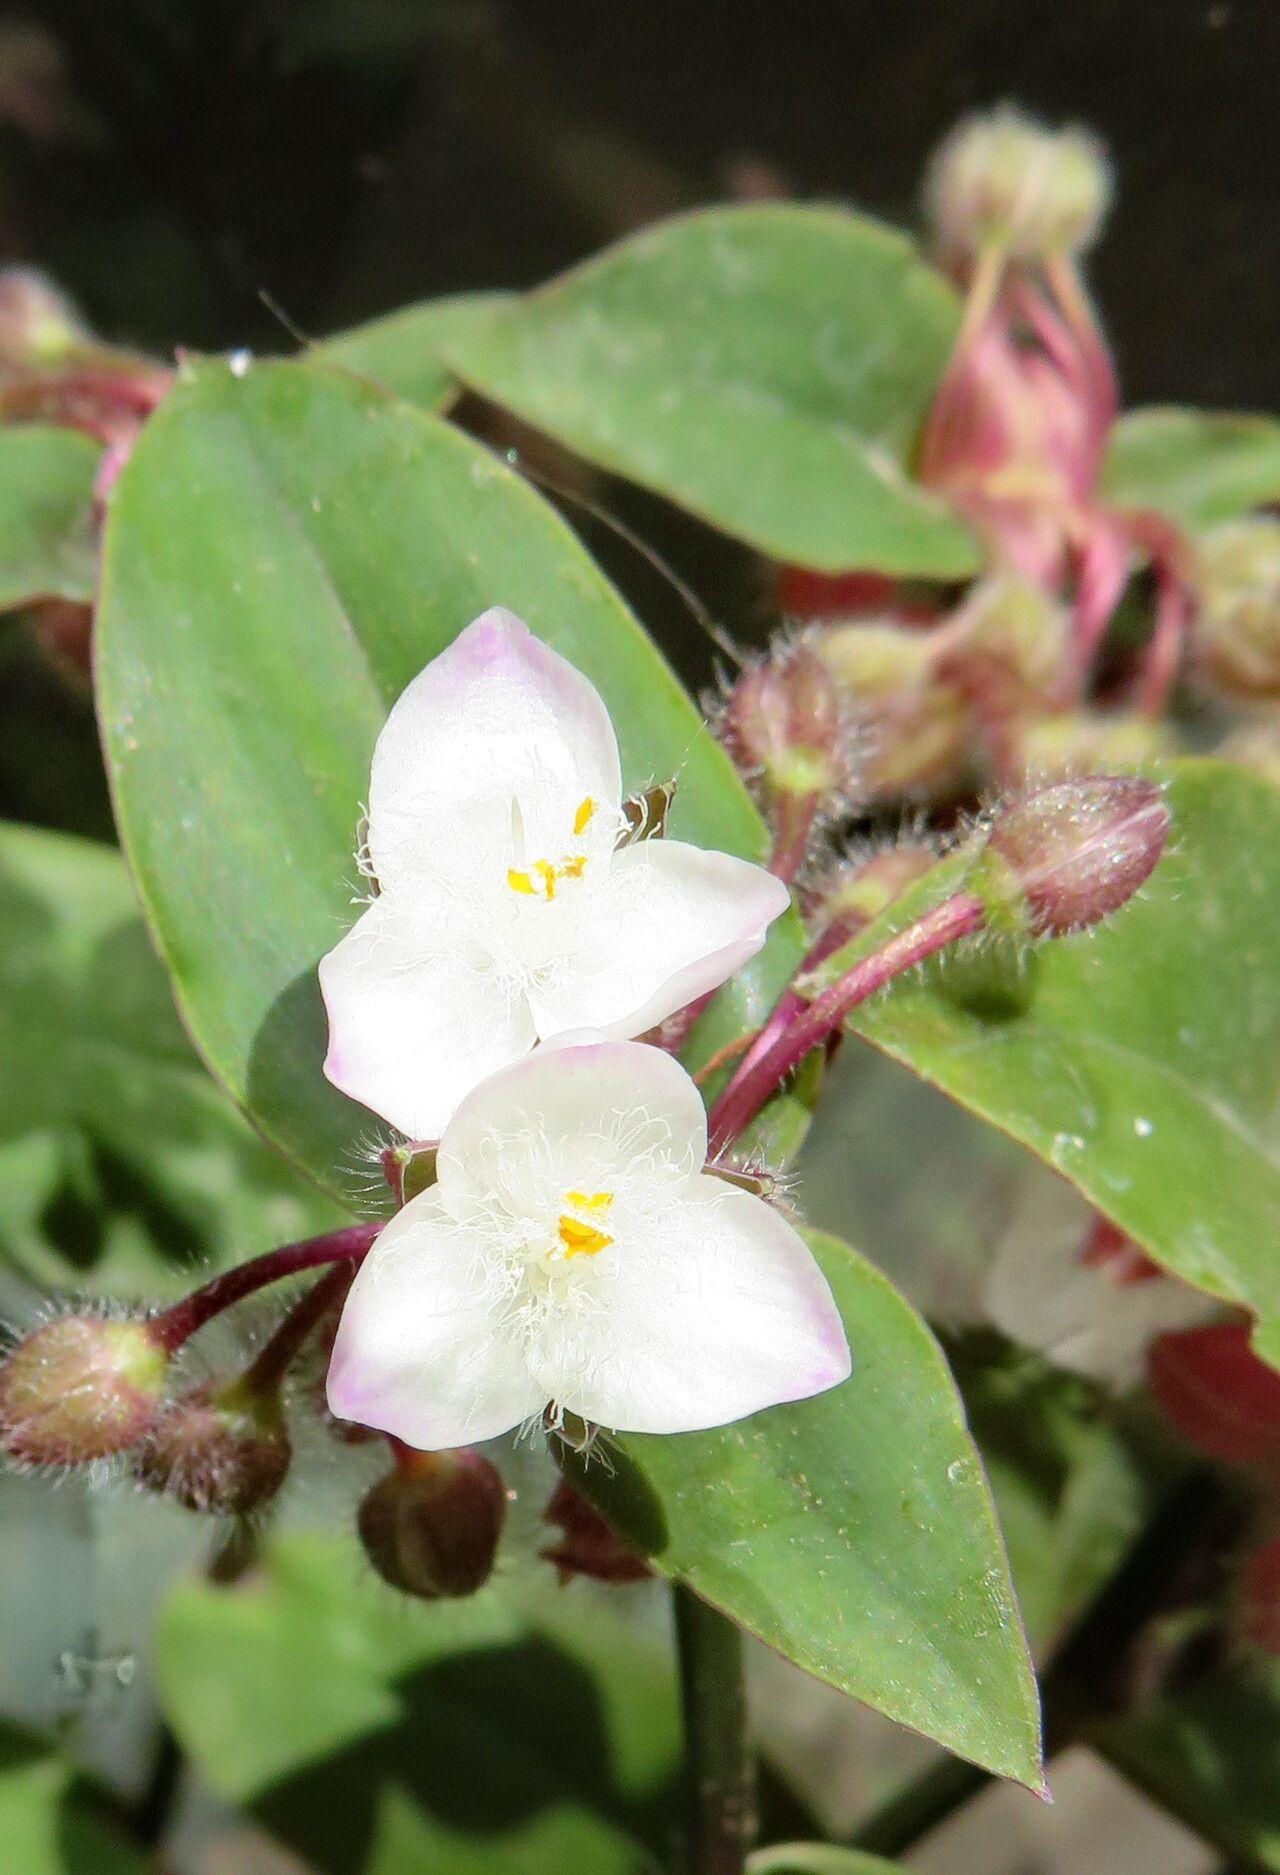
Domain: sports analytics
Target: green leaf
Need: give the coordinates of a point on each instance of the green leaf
(852, 1532)
(815, 1858)
(365, 1727)
(768, 368)
(47, 1823)
(402, 351)
(118, 1154)
(1141, 1061)
(1207, 1753)
(47, 527)
(1196, 466)
(295, 520)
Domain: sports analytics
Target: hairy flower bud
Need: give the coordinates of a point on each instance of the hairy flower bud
(80, 1388)
(1012, 641)
(431, 1526)
(914, 725)
(783, 721)
(855, 895)
(223, 1450)
(1217, 1393)
(1237, 633)
(1068, 856)
(1003, 181)
(588, 1546)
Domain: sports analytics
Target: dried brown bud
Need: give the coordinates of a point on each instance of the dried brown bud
(80, 1388)
(1068, 856)
(1237, 632)
(1003, 181)
(588, 1546)
(223, 1450)
(431, 1526)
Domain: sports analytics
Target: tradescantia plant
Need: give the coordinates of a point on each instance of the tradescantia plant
(454, 885)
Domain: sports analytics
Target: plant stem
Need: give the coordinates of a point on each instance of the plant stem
(910, 1814)
(175, 1325)
(279, 1351)
(720, 1772)
(763, 1071)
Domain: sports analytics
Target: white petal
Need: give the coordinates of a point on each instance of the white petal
(498, 717)
(592, 1115)
(423, 1349)
(669, 923)
(417, 1015)
(710, 1311)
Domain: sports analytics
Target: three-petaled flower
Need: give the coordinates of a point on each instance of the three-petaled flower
(510, 908)
(577, 1251)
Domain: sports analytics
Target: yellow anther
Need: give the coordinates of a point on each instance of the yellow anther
(581, 1240)
(585, 810)
(521, 882)
(574, 866)
(547, 873)
(596, 1202)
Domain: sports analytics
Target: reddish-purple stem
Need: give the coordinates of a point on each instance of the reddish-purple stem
(794, 815)
(765, 1068)
(278, 1353)
(174, 1326)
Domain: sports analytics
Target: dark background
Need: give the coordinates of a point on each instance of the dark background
(212, 174)
(170, 159)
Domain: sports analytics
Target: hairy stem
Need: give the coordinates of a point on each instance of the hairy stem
(720, 1772)
(175, 1325)
(281, 1349)
(766, 1068)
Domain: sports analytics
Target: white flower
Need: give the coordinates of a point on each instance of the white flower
(508, 913)
(576, 1251)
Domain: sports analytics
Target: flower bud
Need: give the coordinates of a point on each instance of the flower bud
(1257, 1600)
(1237, 633)
(1003, 181)
(914, 726)
(80, 1388)
(783, 721)
(1217, 1393)
(1011, 642)
(855, 896)
(39, 326)
(588, 1546)
(1068, 856)
(222, 1450)
(1084, 742)
(1256, 748)
(431, 1526)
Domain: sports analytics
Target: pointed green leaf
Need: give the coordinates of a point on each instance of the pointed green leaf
(118, 1154)
(853, 1532)
(768, 368)
(402, 351)
(287, 549)
(47, 526)
(1141, 1060)
(1197, 466)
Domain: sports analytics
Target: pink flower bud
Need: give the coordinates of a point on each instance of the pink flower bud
(223, 1450)
(1237, 632)
(588, 1546)
(80, 1388)
(1217, 1393)
(783, 721)
(1068, 856)
(431, 1526)
(1003, 181)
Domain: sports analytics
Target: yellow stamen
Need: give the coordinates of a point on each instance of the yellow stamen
(596, 1202)
(581, 1239)
(585, 810)
(521, 882)
(574, 866)
(547, 873)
